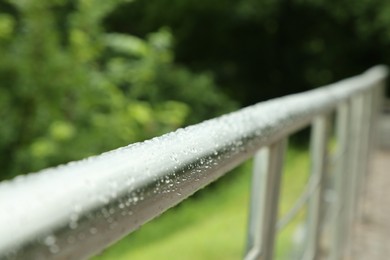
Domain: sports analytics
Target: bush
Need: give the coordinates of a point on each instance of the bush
(70, 90)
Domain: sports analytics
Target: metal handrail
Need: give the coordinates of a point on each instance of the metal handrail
(75, 210)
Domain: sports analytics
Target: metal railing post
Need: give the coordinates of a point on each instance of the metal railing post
(354, 164)
(268, 165)
(365, 145)
(319, 155)
(379, 94)
(338, 223)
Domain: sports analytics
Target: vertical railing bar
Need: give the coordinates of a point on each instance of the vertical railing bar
(338, 225)
(379, 94)
(356, 121)
(365, 154)
(257, 193)
(268, 165)
(375, 105)
(371, 128)
(319, 157)
(357, 143)
(359, 140)
(370, 124)
(358, 134)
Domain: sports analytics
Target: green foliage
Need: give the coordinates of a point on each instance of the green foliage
(69, 90)
(263, 49)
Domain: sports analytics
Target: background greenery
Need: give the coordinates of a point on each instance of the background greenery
(76, 71)
(263, 49)
(69, 89)
(79, 77)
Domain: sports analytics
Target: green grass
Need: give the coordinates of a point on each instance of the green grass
(213, 225)
(295, 178)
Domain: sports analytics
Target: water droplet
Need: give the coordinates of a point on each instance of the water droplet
(73, 225)
(74, 217)
(50, 240)
(104, 199)
(77, 208)
(93, 230)
(54, 249)
(105, 212)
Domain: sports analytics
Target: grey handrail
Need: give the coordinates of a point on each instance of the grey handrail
(75, 210)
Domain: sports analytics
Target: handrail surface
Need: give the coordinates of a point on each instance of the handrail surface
(75, 210)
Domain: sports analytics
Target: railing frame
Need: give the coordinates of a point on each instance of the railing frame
(76, 210)
(268, 166)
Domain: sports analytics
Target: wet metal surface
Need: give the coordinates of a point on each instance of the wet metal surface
(74, 211)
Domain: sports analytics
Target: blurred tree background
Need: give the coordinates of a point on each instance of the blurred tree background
(79, 77)
(69, 89)
(264, 49)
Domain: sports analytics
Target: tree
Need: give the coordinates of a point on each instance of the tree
(69, 90)
(264, 49)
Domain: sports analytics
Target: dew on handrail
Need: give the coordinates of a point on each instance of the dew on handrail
(54, 249)
(49, 240)
(73, 225)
